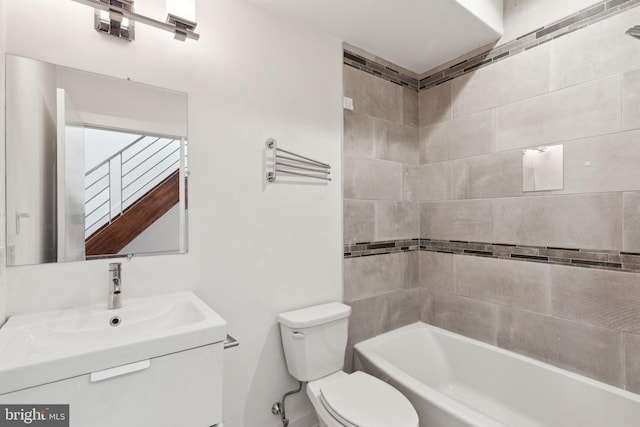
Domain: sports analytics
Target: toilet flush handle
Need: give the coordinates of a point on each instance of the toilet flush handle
(299, 336)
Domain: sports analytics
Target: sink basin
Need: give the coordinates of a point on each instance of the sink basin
(40, 348)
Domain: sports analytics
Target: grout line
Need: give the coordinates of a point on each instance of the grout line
(624, 361)
(620, 129)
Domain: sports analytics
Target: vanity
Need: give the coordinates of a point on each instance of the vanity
(96, 168)
(156, 361)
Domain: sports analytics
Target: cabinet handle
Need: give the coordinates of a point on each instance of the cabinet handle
(120, 370)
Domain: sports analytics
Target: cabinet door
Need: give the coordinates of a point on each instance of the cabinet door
(178, 390)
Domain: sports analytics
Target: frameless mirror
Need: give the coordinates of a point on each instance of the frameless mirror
(542, 168)
(95, 166)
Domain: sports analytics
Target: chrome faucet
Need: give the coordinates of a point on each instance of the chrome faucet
(115, 286)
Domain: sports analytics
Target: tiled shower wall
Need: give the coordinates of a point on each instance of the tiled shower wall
(582, 90)
(380, 144)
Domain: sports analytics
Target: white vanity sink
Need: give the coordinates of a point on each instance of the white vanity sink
(46, 347)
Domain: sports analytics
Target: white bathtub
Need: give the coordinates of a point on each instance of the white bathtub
(455, 381)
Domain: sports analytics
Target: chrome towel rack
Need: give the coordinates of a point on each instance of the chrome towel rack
(295, 164)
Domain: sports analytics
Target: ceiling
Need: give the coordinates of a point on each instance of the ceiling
(415, 34)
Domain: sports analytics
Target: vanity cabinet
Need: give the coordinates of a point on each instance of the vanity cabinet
(182, 389)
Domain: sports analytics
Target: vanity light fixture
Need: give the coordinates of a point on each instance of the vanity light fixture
(117, 18)
(182, 14)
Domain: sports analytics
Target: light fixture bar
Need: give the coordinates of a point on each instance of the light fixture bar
(176, 30)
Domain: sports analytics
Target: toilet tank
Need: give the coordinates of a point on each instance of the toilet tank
(315, 339)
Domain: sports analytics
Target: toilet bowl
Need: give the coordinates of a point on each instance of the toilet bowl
(359, 400)
(314, 341)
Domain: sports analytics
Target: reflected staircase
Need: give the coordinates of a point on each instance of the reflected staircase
(129, 191)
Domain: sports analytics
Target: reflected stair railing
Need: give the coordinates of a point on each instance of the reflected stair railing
(120, 180)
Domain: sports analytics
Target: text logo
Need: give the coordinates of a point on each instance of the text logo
(34, 415)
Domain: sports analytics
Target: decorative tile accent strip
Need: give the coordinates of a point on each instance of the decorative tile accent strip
(380, 248)
(569, 24)
(372, 67)
(587, 258)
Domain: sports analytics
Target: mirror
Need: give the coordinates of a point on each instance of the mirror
(542, 168)
(95, 166)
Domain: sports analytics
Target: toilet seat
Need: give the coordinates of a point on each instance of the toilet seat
(360, 400)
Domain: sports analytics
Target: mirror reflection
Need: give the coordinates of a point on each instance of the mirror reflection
(542, 168)
(96, 166)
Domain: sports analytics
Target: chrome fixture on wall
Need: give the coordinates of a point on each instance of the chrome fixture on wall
(117, 18)
(634, 31)
(114, 300)
(295, 164)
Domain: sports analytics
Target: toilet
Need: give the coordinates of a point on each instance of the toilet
(314, 341)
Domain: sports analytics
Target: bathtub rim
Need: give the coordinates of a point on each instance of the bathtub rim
(366, 352)
(393, 374)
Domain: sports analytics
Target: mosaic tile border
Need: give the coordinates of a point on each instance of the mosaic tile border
(381, 248)
(581, 19)
(386, 73)
(564, 26)
(586, 258)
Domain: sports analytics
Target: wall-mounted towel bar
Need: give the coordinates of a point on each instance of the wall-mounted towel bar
(295, 164)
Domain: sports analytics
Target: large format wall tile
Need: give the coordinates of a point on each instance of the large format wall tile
(359, 135)
(522, 17)
(466, 316)
(468, 220)
(372, 179)
(597, 51)
(609, 299)
(410, 107)
(376, 315)
(631, 99)
(432, 182)
(410, 182)
(436, 271)
(632, 366)
(514, 283)
(612, 163)
(434, 105)
(631, 222)
(589, 350)
(514, 79)
(366, 277)
(369, 317)
(396, 142)
(426, 305)
(585, 110)
(493, 175)
(397, 220)
(464, 137)
(404, 308)
(373, 96)
(359, 221)
(589, 221)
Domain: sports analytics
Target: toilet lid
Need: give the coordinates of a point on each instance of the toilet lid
(361, 400)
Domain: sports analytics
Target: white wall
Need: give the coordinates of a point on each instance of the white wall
(254, 250)
(490, 11)
(118, 103)
(161, 236)
(3, 287)
(31, 174)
